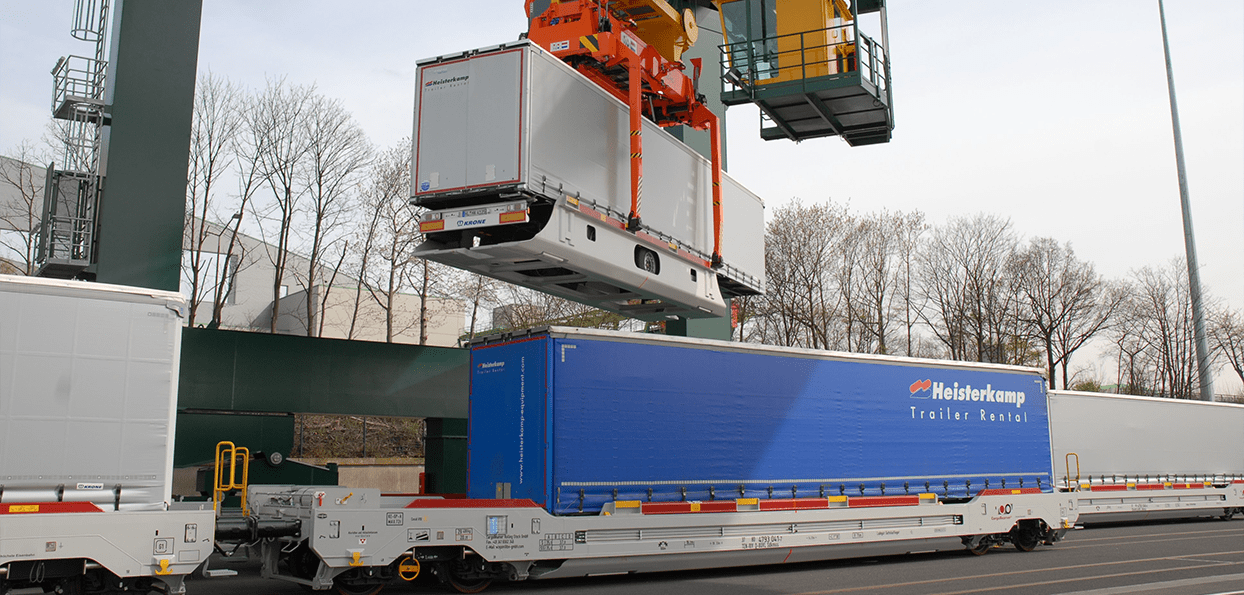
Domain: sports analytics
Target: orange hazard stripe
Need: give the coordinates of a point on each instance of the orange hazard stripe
(48, 507)
(513, 216)
(427, 226)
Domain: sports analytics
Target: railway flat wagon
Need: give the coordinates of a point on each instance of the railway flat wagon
(1142, 458)
(598, 452)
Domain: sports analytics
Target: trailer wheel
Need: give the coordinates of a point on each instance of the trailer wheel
(981, 548)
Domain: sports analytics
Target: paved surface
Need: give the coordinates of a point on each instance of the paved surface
(1174, 558)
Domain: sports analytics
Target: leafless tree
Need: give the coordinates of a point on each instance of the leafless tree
(389, 237)
(22, 181)
(247, 150)
(481, 293)
(274, 119)
(1161, 324)
(804, 305)
(1226, 333)
(910, 229)
(1066, 302)
(969, 299)
(336, 152)
(216, 122)
(1128, 347)
(527, 308)
(880, 236)
(748, 309)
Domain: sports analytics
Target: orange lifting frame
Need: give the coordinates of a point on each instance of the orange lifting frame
(604, 45)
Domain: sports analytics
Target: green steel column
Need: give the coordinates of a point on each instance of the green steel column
(445, 456)
(154, 54)
(702, 328)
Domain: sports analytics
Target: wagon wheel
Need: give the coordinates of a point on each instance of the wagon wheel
(468, 585)
(1026, 537)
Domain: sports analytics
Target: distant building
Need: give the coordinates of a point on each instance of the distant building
(249, 277)
(12, 203)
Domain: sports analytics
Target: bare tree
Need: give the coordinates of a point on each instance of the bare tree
(1066, 302)
(1226, 333)
(803, 305)
(389, 237)
(880, 236)
(247, 150)
(1161, 324)
(910, 230)
(336, 152)
(275, 121)
(969, 296)
(1128, 346)
(22, 182)
(481, 292)
(215, 124)
(527, 308)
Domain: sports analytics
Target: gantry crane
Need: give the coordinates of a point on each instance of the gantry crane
(522, 151)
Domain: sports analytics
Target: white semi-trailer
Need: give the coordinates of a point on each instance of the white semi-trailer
(521, 160)
(1141, 458)
(88, 394)
(596, 452)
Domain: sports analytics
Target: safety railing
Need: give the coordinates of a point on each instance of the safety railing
(78, 85)
(228, 458)
(839, 52)
(68, 223)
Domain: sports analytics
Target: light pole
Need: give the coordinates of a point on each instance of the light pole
(1194, 275)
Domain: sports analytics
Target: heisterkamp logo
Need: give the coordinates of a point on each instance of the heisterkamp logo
(446, 81)
(961, 397)
(490, 366)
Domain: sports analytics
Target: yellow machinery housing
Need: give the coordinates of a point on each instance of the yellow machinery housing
(808, 68)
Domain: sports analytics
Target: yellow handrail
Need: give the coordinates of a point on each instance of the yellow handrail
(1067, 463)
(235, 455)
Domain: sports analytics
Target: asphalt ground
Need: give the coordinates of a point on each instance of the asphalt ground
(1200, 557)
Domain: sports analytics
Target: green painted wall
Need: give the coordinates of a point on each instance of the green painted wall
(447, 457)
(154, 55)
(243, 371)
(237, 372)
(198, 434)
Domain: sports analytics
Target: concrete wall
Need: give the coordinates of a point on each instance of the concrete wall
(391, 476)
